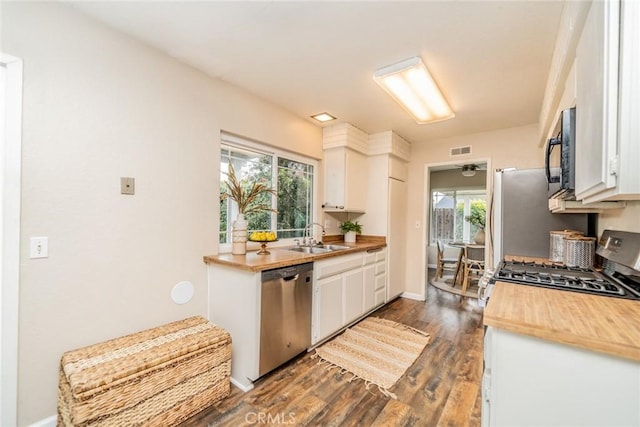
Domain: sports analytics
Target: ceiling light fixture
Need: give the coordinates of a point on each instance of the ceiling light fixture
(411, 85)
(323, 117)
(469, 170)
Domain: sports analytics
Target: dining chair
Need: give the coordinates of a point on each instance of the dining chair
(473, 261)
(442, 263)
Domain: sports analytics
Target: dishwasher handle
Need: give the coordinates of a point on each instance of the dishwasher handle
(290, 278)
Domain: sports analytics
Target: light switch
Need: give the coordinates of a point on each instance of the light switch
(127, 185)
(39, 247)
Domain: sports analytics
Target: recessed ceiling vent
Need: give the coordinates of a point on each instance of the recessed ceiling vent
(460, 151)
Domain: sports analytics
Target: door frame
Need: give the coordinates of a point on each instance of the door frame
(10, 193)
(426, 210)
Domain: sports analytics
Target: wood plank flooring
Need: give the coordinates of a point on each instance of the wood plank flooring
(442, 388)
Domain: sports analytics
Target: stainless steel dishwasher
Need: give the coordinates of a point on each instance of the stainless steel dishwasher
(285, 318)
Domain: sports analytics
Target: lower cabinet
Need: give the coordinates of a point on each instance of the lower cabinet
(529, 381)
(346, 288)
(327, 306)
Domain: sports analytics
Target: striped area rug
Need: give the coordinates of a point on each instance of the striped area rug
(375, 350)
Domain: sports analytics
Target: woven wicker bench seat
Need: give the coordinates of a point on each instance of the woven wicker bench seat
(157, 377)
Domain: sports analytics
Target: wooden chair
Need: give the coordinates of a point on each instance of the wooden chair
(473, 262)
(442, 263)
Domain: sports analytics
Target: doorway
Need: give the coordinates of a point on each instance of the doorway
(457, 205)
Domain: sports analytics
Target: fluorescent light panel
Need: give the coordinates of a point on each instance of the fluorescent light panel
(411, 85)
(323, 117)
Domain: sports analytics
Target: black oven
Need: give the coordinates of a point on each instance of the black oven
(560, 163)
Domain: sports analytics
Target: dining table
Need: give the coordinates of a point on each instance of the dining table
(458, 275)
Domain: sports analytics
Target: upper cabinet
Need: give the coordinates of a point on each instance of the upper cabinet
(608, 103)
(345, 168)
(345, 180)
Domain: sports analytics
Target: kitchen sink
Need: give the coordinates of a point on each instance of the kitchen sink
(334, 247)
(309, 249)
(319, 249)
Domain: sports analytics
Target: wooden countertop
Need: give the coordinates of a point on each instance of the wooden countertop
(599, 323)
(280, 257)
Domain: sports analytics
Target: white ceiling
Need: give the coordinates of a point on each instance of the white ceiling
(490, 58)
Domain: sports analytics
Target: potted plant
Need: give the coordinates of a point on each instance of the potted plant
(477, 218)
(350, 229)
(247, 196)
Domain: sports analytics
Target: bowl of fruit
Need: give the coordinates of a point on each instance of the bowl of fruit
(263, 237)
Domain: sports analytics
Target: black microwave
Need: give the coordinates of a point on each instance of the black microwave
(560, 166)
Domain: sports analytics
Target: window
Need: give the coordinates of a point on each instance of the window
(448, 211)
(292, 177)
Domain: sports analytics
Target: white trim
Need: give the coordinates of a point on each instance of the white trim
(46, 422)
(426, 214)
(236, 141)
(244, 388)
(411, 295)
(10, 173)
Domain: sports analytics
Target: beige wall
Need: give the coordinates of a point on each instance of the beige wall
(627, 219)
(514, 147)
(98, 106)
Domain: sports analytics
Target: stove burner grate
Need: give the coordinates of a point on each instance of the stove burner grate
(557, 276)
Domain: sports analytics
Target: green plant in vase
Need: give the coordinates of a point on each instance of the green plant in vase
(350, 229)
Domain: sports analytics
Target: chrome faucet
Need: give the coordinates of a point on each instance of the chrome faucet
(306, 230)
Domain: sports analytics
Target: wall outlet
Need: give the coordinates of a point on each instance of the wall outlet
(327, 223)
(39, 247)
(127, 185)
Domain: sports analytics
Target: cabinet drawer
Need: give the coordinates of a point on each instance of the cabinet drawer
(381, 256)
(381, 281)
(381, 267)
(369, 258)
(379, 296)
(337, 265)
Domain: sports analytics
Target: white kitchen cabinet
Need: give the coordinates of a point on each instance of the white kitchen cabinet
(345, 180)
(369, 288)
(328, 307)
(346, 288)
(380, 286)
(529, 381)
(375, 279)
(608, 103)
(353, 295)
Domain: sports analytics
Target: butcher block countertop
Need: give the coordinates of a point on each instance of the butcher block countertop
(598, 323)
(281, 257)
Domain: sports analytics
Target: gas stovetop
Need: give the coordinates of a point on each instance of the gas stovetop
(559, 276)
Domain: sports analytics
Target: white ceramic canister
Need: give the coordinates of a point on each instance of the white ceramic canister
(556, 243)
(579, 251)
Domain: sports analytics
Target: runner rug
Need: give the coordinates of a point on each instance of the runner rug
(375, 350)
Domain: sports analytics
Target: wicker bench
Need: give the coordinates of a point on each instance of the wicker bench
(157, 377)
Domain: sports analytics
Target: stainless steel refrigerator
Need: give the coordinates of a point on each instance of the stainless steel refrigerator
(521, 220)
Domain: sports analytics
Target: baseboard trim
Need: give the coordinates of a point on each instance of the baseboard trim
(46, 422)
(241, 386)
(413, 296)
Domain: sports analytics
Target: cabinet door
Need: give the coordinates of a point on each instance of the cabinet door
(345, 180)
(396, 239)
(369, 287)
(335, 167)
(353, 298)
(597, 100)
(328, 307)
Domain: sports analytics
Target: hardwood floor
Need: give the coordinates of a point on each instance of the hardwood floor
(442, 388)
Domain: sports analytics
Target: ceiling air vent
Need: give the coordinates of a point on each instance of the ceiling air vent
(459, 151)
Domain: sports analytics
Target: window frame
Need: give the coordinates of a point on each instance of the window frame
(235, 141)
(464, 194)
